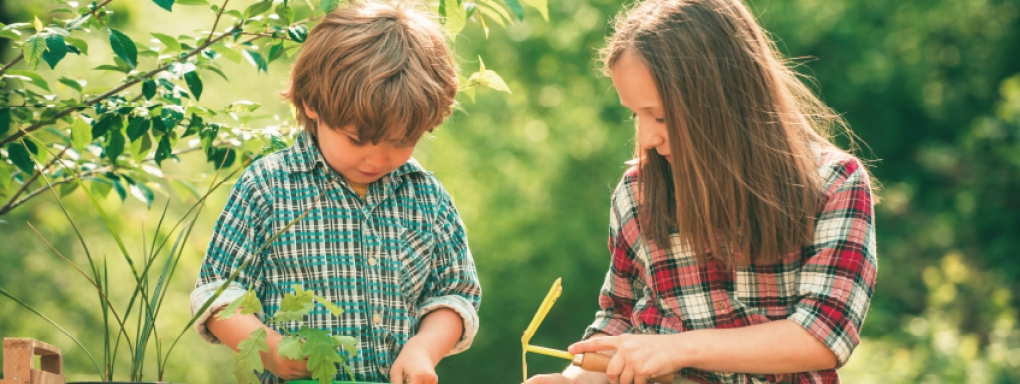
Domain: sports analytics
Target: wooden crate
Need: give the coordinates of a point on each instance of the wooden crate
(19, 358)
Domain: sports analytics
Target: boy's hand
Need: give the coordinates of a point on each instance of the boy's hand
(414, 365)
(280, 366)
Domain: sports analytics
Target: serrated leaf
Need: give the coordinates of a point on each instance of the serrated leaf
(455, 19)
(143, 193)
(74, 84)
(333, 308)
(29, 76)
(56, 49)
(321, 349)
(516, 8)
(140, 148)
(258, 8)
(149, 89)
(137, 126)
(21, 158)
(248, 303)
(290, 348)
(329, 5)
(81, 134)
(171, 116)
(348, 343)
(164, 150)
(297, 33)
(165, 4)
(294, 306)
(194, 83)
(169, 42)
(248, 361)
(124, 47)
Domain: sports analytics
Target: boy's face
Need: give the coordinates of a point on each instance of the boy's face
(359, 162)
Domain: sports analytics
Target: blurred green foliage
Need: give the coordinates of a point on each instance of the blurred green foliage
(931, 86)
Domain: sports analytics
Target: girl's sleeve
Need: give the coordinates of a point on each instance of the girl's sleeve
(453, 281)
(621, 285)
(838, 275)
(239, 232)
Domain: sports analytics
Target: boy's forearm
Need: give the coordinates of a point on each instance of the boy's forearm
(233, 330)
(439, 332)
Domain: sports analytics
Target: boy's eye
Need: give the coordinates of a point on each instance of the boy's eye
(633, 115)
(355, 142)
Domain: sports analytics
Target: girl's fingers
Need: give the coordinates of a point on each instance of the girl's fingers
(593, 345)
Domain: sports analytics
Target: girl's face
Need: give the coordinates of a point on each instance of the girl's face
(639, 93)
(359, 162)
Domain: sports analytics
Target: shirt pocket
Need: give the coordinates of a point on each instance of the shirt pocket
(416, 266)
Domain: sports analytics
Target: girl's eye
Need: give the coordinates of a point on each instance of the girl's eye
(660, 121)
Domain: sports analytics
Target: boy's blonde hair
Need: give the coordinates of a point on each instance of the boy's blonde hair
(384, 68)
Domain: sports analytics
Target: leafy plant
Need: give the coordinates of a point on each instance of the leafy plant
(118, 138)
(320, 348)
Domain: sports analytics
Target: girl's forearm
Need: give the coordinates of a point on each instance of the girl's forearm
(439, 332)
(776, 347)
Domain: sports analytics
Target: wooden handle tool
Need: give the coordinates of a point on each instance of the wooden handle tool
(598, 362)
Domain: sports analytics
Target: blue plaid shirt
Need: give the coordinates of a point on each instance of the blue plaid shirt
(388, 259)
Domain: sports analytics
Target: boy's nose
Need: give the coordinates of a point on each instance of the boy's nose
(377, 158)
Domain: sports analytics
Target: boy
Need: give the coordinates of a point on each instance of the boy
(385, 241)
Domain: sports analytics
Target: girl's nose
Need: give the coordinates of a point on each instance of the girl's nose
(650, 139)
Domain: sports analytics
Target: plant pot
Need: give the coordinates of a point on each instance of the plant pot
(334, 382)
(119, 382)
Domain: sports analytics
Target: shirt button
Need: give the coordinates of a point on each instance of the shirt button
(377, 318)
(720, 305)
(371, 261)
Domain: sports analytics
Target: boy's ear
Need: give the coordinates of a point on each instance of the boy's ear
(310, 113)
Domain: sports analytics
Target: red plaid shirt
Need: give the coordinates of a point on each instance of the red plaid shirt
(825, 287)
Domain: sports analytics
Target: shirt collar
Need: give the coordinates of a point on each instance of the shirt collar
(304, 156)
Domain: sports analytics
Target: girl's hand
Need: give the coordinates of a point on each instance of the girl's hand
(555, 378)
(638, 357)
(414, 365)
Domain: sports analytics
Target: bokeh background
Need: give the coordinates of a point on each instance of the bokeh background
(931, 87)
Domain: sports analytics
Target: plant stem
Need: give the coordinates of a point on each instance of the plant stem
(11, 64)
(217, 22)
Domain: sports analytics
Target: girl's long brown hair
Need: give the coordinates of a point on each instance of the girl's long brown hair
(744, 184)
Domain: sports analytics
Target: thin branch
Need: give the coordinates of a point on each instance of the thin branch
(22, 131)
(11, 64)
(217, 22)
(11, 203)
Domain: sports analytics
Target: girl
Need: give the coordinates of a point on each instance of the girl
(742, 240)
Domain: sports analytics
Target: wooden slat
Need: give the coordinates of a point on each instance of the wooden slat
(19, 357)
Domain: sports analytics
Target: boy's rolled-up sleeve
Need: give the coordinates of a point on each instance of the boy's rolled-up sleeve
(238, 233)
(453, 281)
(837, 278)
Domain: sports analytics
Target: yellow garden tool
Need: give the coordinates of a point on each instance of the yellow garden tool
(591, 361)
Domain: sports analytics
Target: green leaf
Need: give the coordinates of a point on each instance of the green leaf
(149, 89)
(117, 186)
(541, 5)
(137, 126)
(492, 80)
(81, 134)
(194, 83)
(165, 4)
(333, 308)
(258, 8)
(329, 5)
(348, 343)
(248, 303)
(12, 34)
(169, 42)
(194, 126)
(56, 49)
(143, 193)
(74, 84)
(5, 175)
(124, 47)
(140, 148)
(184, 188)
(248, 361)
(5, 122)
(192, 2)
(29, 76)
(208, 135)
(114, 145)
(516, 8)
(243, 106)
(320, 348)
(21, 158)
(171, 115)
(228, 53)
(294, 306)
(104, 123)
(456, 18)
(164, 150)
(290, 348)
(77, 43)
(254, 58)
(297, 33)
(67, 188)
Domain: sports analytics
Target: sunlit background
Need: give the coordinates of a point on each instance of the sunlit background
(931, 87)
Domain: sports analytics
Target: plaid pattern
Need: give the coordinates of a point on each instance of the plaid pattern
(825, 287)
(387, 260)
